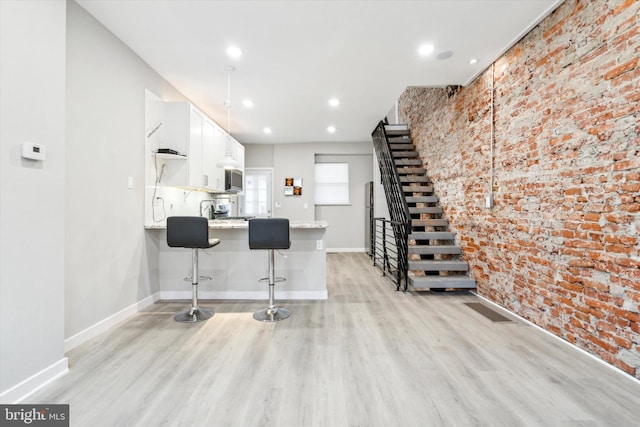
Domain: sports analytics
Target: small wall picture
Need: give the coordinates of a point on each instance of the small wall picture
(293, 186)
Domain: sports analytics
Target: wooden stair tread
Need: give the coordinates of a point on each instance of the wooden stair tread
(414, 178)
(426, 209)
(417, 188)
(438, 265)
(432, 235)
(427, 282)
(421, 199)
(429, 222)
(404, 139)
(435, 249)
(404, 154)
(408, 162)
(401, 147)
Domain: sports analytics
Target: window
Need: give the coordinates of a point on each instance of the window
(332, 184)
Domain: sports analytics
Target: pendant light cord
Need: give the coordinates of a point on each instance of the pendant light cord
(227, 103)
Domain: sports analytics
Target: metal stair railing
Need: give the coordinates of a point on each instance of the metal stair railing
(385, 252)
(396, 203)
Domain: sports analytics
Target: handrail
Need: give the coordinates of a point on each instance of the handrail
(396, 202)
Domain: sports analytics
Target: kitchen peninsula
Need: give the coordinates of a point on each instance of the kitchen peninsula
(235, 269)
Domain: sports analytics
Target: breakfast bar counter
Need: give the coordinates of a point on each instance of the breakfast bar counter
(236, 270)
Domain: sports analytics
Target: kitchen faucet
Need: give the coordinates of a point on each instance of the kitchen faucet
(210, 201)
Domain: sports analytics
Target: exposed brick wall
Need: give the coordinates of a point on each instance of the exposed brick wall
(561, 246)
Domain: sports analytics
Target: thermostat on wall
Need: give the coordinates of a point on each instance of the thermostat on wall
(34, 151)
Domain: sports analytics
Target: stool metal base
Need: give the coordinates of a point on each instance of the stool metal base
(193, 316)
(271, 314)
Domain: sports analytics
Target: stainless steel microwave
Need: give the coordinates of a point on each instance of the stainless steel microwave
(233, 180)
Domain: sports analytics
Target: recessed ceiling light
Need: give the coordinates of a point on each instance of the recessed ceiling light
(334, 102)
(473, 61)
(331, 129)
(247, 103)
(234, 52)
(426, 49)
(266, 130)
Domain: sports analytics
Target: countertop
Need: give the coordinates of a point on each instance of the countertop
(228, 224)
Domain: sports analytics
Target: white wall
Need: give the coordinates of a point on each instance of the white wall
(346, 223)
(380, 208)
(32, 208)
(258, 155)
(111, 262)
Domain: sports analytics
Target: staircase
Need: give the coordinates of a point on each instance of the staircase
(434, 260)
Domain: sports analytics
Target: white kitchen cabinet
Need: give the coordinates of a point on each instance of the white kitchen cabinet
(235, 151)
(192, 133)
(211, 157)
(220, 139)
(183, 133)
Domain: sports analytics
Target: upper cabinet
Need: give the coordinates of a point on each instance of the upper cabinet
(190, 132)
(236, 151)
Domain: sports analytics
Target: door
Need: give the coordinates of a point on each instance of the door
(258, 187)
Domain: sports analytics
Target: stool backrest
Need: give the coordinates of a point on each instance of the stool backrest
(269, 233)
(188, 232)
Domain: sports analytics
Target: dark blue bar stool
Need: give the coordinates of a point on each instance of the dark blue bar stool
(191, 232)
(270, 234)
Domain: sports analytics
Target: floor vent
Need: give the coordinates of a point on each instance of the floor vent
(487, 312)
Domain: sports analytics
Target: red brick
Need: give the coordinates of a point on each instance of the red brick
(630, 207)
(626, 164)
(622, 68)
(631, 187)
(591, 226)
(621, 240)
(624, 5)
(594, 217)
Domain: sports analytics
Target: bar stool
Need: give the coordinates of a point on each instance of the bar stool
(191, 232)
(270, 234)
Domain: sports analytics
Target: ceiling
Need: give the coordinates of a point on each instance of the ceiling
(296, 55)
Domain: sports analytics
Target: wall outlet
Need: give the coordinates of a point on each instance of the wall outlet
(488, 202)
(130, 182)
(319, 244)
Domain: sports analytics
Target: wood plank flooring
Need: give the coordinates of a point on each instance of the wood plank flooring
(368, 356)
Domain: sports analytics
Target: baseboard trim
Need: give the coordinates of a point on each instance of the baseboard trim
(336, 250)
(567, 343)
(21, 391)
(246, 295)
(103, 325)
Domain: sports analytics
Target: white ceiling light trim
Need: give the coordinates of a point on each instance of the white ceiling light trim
(334, 102)
(248, 103)
(331, 129)
(426, 49)
(234, 52)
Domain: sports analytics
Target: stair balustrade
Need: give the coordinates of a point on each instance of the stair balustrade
(400, 221)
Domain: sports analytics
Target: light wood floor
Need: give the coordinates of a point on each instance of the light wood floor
(368, 356)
